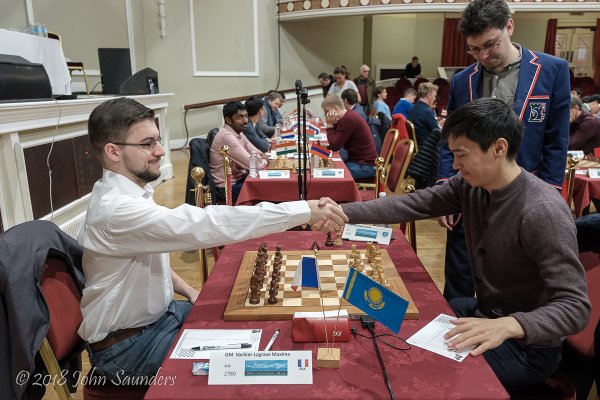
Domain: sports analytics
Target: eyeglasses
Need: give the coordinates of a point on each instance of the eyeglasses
(475, 51)
(149, 145)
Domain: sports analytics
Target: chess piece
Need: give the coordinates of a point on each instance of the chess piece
(354, 251)
(329, 241)
(272, 296)
(254, 294)
(338, 239)
(315, 246)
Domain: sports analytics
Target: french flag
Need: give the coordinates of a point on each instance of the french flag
(307, 273)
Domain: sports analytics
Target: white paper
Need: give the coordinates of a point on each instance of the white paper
(367, 233)
(328, 173)
(261, 368)
(274, 174)
(594, 173)
(575, 153)
(431, 337)
(581, 172)
(192, 339)
(319, 314)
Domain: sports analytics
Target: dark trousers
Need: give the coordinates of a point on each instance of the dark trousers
(236, 187)
(515, 365)
(459, 281)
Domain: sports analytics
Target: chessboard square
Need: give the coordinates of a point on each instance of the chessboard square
(326, 274)
(312, 302)
(310, 294)
(260, 304)
(288, 274)
(292, 302)
(329, 293)
(328, 286)
(338, 256)
(340, 292)
(325, 261)
(289, 292)
(331, 301)
(341, 267)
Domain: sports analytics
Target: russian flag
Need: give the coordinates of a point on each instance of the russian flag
(319, 151)
(307, 273)
(285, 147)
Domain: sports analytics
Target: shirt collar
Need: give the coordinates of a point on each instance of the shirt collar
(126, 185)
(510, 66)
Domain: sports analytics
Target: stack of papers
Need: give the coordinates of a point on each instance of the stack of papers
(431, 337)
(200, 343)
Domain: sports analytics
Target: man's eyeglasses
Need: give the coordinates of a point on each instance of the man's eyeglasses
(475, 51)
(148, 145)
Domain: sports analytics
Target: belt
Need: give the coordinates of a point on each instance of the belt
(115, 338)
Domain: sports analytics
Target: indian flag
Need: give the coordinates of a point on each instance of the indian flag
(285, 147)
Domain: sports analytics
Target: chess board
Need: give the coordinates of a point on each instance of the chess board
(292, 163)
(333, 269)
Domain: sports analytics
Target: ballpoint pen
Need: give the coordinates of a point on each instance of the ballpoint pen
(272, 340)
(223, 347)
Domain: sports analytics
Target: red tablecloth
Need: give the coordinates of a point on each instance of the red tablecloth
(341, 190)
(414, 374)
(584, 189)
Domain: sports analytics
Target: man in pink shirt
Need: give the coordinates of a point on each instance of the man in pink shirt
(240, 149)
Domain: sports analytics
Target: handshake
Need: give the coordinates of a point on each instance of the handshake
(326, 215)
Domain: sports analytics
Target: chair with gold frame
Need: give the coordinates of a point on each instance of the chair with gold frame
(72, 65)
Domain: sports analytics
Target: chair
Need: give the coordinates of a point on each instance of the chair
(410, 128)
(387, 148)
(569, 182)
(443, 93)
(72, 65)
(586, 84)
(418, 81)
(396, 184)
(199, 157)
(393, 95)
(402, 84)
(423, 167)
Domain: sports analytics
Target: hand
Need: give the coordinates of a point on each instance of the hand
(326, 215)
(485, 334)
(192, 295)
(332, 117)
(446, 221)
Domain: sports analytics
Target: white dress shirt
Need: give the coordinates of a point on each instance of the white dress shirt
(126, 237)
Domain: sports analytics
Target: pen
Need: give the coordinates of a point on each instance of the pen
(272, 340)
(223, 347)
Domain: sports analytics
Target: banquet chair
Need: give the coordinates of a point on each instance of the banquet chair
(402, 84)
(396, 183)
(387, 149)
(410, 128)
(72, 65)
(63, 299)
(418, 81)
(569, 181)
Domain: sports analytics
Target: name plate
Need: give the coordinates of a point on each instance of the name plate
(274, 174)
(366, 233)
(261, 368)
(328, 173)
(576, 153)
(594, 172)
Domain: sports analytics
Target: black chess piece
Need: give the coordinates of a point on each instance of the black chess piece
(272, 296)
(329, 241)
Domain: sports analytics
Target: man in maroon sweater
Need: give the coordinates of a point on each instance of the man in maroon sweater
(347, 129)
(584, 130)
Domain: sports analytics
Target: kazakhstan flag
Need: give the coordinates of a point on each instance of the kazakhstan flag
(375, 299)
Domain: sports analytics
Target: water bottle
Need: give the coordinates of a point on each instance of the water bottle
(44, 31)
(277, 131)
(36, 29)
(254, 163)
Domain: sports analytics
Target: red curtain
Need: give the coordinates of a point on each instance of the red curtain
(454, 47)
(597, 54)
(550, 45)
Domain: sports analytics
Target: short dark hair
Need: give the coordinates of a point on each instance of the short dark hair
(484, 121)
(231, 108)
(415, 58)
(110, 121)
(342, 70)
(378, 90)
(481, 15)
(254, 104)
(595, 97)
(324, 75)
(350, 96)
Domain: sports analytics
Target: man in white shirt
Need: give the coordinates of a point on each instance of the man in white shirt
(129, 316)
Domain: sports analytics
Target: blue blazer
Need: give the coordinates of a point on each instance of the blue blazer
(542, 103)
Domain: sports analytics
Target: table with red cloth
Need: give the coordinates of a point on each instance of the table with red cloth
(584, 189)
(414, 374)
(341, 190)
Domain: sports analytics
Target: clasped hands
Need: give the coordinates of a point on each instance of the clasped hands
(326, 215)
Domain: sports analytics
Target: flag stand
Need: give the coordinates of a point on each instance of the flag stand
(328, 357)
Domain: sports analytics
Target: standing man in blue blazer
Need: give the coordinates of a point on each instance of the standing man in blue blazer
(534, 84)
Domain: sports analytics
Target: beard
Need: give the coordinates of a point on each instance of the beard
(147, 175)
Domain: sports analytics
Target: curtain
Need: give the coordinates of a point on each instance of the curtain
(550, 45)
(454, 46)
(596, 54)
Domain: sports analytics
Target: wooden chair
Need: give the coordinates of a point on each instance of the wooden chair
(569, 182)
(387, 149)
(72, 65)
(396, 184)
(410, 128)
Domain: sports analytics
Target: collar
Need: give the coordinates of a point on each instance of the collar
(229, 129)
(126, 185)
(510, 189)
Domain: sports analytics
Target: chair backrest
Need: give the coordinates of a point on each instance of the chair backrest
(199, 157)
(418, 81)
(569, 181)
(402, 84)
(412, 135)
(387, 147)
(401, 159)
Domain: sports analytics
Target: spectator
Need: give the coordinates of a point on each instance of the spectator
(413, 69)
(577, 92)
(256, 110)
(343, 82)
(422, 115)
(272, 102)
(584, 130)
(326, 81)
(379, 105)
(345, 128)
(366, 87)
(593, 104)
(350, 98)
(406, 102)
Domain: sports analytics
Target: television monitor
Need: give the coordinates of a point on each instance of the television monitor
(115, 68)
